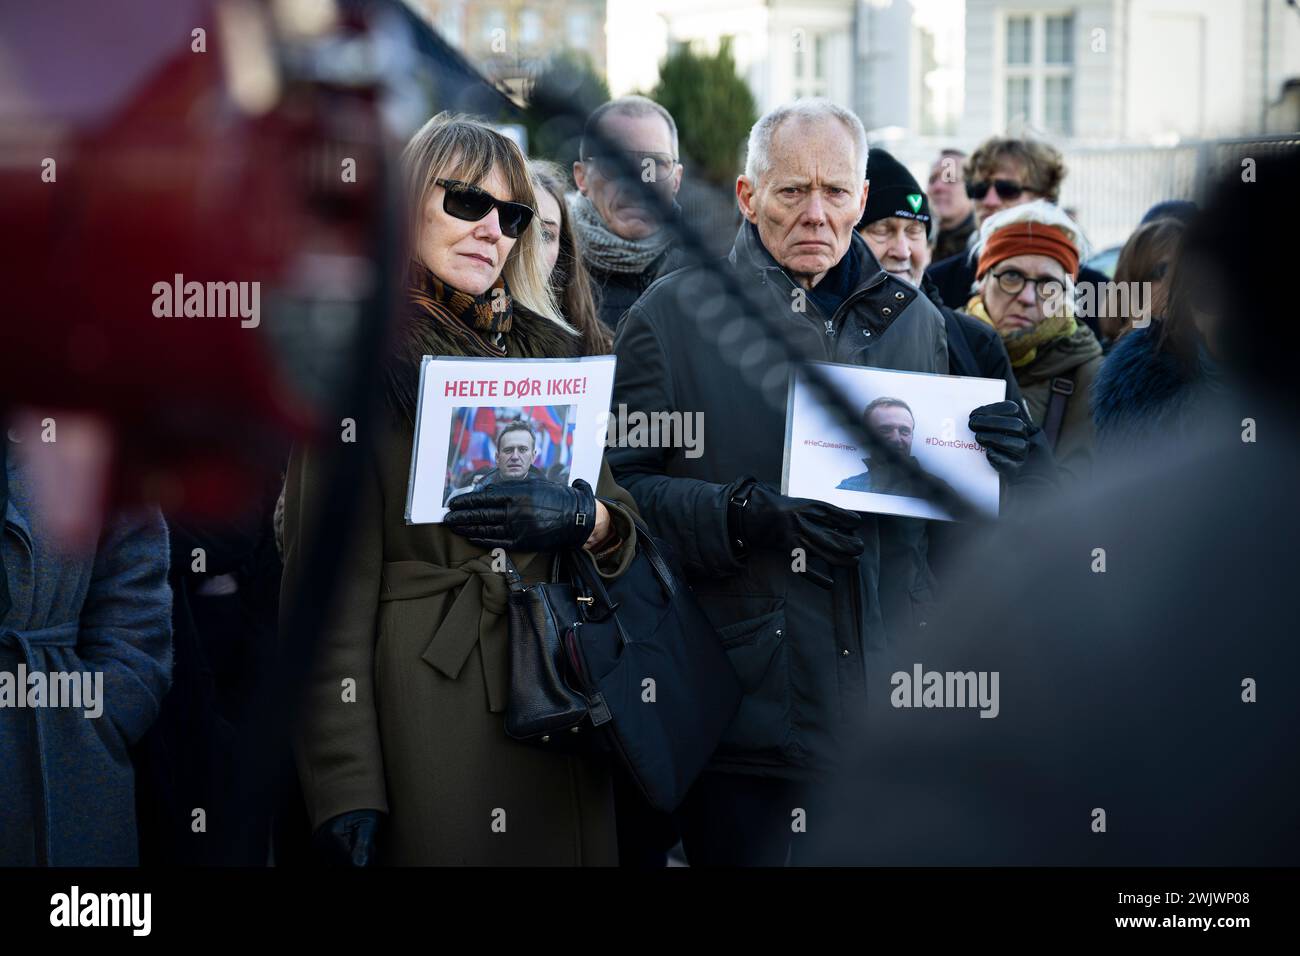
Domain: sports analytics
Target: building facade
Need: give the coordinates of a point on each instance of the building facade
(511, 39)
(896, 63)
(1127, 71)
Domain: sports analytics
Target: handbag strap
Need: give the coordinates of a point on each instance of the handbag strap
(1062, 389)
(651, 550)
(600, 604)
(583, 564)
(647, 546)
(515, 579)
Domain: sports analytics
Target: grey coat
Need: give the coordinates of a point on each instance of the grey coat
(798, 649)
(67, 790)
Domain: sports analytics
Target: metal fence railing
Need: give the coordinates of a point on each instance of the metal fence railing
(1109, 188)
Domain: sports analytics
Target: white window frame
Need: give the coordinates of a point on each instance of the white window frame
(1037, 70)
(806, 83)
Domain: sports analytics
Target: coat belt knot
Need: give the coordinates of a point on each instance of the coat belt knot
(473, 618)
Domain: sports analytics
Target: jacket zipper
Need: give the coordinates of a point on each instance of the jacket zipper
(828, 342)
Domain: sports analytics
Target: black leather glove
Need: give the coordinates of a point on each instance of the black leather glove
(528, 515)
(769, 519)
(349, 838)
(1004, 430)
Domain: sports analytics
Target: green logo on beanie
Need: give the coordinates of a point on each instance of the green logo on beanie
(914, 200)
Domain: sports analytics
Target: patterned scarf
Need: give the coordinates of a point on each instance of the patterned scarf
(478, 323)
(440, 320)
(1022, 344)
(607, 252)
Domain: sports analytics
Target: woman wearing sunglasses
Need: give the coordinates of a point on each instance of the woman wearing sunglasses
(1028, 258)
(402, 749)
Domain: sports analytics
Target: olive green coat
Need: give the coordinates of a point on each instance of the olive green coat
(1076, 357)
(417, 620)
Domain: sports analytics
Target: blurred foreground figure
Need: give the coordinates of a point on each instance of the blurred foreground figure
(1145, 707)
(201, 187)
(194, 260)
(85, 658)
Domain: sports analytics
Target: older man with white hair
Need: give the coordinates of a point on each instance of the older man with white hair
(799, 590)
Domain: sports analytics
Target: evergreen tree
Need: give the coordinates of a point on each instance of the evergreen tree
(713, 107)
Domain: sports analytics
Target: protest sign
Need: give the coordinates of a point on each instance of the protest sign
(922, 415)
(483, 421)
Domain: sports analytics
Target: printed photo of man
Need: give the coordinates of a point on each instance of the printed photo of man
(516, 452)
(516, 449)
(890, 420)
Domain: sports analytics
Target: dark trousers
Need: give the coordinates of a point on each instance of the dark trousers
(645, 835)
(731, 819)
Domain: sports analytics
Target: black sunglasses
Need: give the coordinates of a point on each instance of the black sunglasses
(471, 204)
(1007, 189)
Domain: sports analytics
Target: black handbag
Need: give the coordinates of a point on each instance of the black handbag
(629, 666)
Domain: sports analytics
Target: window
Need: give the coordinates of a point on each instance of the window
(578, 27)
(1018, 99)
(1019, 40)
(1038, 70)
(1058, 105)
(810, 70)
(1060, 33)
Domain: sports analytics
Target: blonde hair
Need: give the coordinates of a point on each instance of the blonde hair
(455, 146)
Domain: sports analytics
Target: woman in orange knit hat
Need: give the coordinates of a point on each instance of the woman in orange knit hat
(1028, 259)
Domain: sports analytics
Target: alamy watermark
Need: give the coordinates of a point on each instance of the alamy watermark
(674, 429)
(1100, 300)
(922, 688)
(74, 690)
(208, 300)
(77, 909)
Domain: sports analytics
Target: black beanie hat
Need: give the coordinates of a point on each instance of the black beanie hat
(893, 191)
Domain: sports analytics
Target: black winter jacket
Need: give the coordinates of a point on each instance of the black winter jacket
(798, 649)
(616, 291)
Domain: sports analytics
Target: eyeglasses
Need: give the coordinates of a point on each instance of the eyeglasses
(613, 165)
(471, 204)
(1011, 282)
(1007, 189)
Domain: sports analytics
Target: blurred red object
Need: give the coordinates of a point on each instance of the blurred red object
(163, 138)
